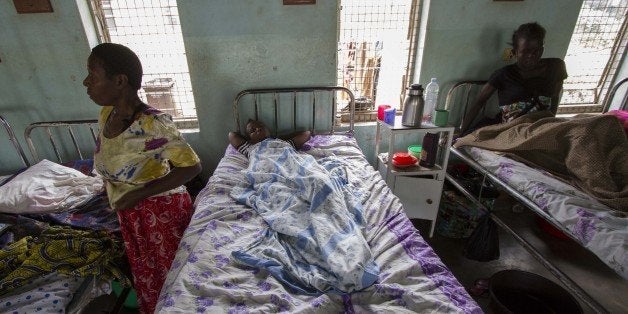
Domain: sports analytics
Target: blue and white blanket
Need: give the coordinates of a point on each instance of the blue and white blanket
(315, 243)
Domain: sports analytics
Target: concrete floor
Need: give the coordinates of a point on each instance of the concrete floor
(596, 279)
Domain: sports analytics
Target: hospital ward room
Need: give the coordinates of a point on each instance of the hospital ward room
(313, 156)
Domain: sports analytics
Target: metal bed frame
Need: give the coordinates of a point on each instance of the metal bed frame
(294, 92)
(48, 126)
(77, 300)
(72, 127)
(611, 95)
(14, 141)
(573, 287)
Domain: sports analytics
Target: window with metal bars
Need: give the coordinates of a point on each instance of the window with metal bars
(376, 50)
(597, 47)
(146, 27)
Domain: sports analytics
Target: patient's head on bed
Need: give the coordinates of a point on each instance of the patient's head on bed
(256, 131)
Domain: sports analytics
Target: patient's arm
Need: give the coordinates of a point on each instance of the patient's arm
(236, 140)
(556, 97)
(240, 143)
(298, 138)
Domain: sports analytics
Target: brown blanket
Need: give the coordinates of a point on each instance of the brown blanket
(590, 152)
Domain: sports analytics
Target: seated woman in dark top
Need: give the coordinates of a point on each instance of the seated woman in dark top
(531, 84)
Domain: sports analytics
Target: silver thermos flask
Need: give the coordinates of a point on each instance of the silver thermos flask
(413, 106)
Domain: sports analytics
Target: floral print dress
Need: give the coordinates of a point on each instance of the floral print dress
(152, 229)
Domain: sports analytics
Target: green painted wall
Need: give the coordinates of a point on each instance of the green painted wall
(237, 44)
(41, 70)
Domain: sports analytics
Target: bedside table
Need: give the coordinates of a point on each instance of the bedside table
(418, 188)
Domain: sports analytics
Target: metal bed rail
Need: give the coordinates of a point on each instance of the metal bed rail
(512, 191)
(14, 141)
(295, 91)
(48, 126)
(572, 286)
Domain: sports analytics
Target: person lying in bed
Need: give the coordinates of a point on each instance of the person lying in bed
(531, 84)
(144, 161)
(257, 132)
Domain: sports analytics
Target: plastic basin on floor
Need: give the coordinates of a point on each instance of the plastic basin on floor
(517, 291)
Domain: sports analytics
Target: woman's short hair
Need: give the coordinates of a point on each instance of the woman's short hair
(529, 31)
(118, 59)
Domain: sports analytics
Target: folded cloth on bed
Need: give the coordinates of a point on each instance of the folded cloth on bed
(315, 242)
(95, 214)
(47, 187)
(590, 152)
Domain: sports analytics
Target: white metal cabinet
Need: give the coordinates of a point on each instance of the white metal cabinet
(418, 188)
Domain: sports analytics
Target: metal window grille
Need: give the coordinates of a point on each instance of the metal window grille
(594, 54)
(147, 27)
(376, 49)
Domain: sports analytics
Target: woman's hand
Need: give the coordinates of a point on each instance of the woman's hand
(176, 177)
(129, 200)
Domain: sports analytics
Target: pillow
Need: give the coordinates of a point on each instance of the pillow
(47, 187)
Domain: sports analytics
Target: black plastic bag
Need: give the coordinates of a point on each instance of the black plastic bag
(483, 244)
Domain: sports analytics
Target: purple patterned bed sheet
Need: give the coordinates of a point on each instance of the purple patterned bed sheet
(597, 227)
(203, 277)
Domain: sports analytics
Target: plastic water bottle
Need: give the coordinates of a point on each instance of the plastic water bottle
(431, 100)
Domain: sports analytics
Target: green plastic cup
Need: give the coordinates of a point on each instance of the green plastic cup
(415, 150)
(441, 117)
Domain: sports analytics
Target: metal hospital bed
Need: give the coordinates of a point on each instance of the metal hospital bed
(77, 144)
(459, 96)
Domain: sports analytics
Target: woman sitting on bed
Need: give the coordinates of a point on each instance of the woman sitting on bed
(531, 84)
(258, 132)
(144, 162)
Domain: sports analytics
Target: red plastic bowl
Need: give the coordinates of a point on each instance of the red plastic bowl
(403, 159)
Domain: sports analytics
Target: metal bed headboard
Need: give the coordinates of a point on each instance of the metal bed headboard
(572, 286)
(16, 144)
(463, 88)
(611, 95)
(466, 87)
(280, 93)
(50, 125)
